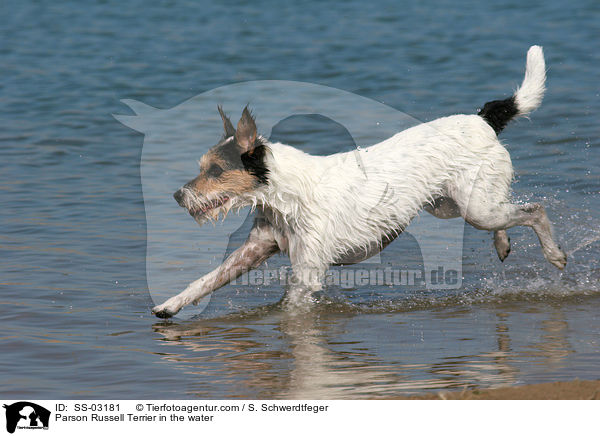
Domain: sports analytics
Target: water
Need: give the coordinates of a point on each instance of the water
(75, 302)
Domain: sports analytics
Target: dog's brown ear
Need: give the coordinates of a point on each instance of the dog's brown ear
(229, 129)
(245, 135)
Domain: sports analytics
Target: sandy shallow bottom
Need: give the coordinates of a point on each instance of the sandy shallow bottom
(572, 390)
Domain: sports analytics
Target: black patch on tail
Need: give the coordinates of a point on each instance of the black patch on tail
(498, 113)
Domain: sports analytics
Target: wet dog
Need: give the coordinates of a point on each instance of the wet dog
(325, 210)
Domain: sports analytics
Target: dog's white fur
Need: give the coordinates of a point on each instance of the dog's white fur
(324, 210)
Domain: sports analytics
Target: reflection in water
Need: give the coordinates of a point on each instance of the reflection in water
(492, 369)
(303, 367)
(554, 346)
(271, 353)
(320, 372)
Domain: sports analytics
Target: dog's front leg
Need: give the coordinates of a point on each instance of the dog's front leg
(260, 245)
(307, 278)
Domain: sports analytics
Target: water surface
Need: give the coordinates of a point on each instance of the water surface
(75, 303)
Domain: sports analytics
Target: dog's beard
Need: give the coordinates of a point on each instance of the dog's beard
(211, 208)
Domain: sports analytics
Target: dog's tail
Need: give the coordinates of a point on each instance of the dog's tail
(526, 98)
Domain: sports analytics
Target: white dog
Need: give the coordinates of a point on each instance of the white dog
(326, 210)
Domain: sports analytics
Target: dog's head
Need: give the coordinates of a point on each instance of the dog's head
(229, 172)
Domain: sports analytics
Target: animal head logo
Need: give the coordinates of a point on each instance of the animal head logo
(188, 151)
(24, 414)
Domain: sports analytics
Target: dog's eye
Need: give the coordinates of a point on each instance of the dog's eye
(214, 171)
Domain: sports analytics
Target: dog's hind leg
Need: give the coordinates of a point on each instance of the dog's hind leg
(501, 216)
(260, 245)
(502, 244)
(446, 208)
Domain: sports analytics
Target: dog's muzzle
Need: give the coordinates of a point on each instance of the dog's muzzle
(178, 196)
(198, 206)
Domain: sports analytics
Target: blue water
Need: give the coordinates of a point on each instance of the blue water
(73, 289)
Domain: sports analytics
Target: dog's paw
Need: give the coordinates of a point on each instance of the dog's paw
(502, 244)
(503, 250)
(163, 311)
(557, 258)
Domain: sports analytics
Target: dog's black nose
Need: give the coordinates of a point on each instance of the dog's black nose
(178, 196)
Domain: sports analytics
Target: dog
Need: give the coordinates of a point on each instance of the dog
(319, 210)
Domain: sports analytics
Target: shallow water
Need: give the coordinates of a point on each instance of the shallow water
(73, 288)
